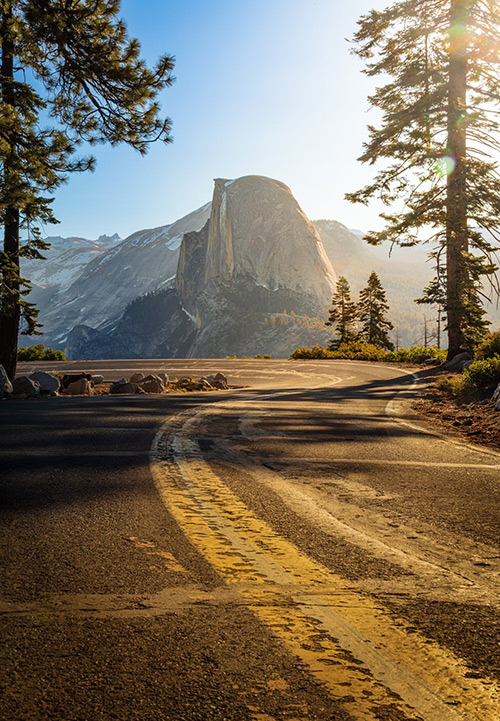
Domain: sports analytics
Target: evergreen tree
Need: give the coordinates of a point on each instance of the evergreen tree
(69, 64)
(342, 315)
(372, 309)
(440, 130)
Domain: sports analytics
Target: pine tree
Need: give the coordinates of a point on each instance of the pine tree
(440, 130)
(342, 314)
(372, 309)
(71, 65)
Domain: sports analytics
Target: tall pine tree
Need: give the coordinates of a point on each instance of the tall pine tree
(342, 315)
(372, 313)
(69, 74)
(438, 137)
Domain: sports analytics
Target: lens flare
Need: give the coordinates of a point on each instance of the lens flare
(445, 166)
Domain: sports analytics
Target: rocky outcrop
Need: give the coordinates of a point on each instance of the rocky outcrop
(258, 230)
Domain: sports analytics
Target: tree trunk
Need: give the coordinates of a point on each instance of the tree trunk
(456, 204)
(9, 262)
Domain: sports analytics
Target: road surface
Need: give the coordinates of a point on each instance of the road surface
(300, 548)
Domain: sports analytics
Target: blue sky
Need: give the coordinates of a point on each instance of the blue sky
(263, 87)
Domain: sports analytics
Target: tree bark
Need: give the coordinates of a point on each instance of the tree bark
(9, 262)
(456, 204)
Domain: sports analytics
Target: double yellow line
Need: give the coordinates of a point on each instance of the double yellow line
(366, 659)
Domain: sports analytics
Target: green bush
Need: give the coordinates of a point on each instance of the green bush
(483, 373)
(39, 352)
(409, 355)
(489, 348)
(357, 350)
(314, 353)
(480, 374)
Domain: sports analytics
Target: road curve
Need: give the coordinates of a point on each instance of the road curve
(301, 548)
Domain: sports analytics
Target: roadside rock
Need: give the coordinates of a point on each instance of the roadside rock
(456, 362)
(137, 377)
(154, 385)
(80, 387)
(48, 382)
(97, 379)
(464, 365)
(219, 380)
(69, 378)
(5, 384)
(432, 362)
(24, 386)
(122, 387)
(164, 379)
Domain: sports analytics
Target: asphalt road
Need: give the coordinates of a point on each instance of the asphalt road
(301, 548)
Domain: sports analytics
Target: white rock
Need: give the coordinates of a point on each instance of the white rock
(5, 384)
(24, 386)
(48, 382)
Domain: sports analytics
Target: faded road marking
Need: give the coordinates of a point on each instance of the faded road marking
(342, 637)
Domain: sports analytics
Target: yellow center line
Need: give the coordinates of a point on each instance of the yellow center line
(365, 658)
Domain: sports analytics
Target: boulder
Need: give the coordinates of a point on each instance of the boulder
(136, 377)
(422, 358)
(432, 362)
(123, 387)
(164, 379)
(203, 384)
(69, 378)
(219, 380)
(97, 379)
(154, 385)
(456, 362)
(464, 365)
(24, 386)
(496, 393)
(48, 382)
(5, 384)
(80, 387)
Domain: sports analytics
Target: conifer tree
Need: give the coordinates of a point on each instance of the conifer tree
(438, 138)
(69, 74)
(372, 310)
(342, 314)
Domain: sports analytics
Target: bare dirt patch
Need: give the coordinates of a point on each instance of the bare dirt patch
(474, 418)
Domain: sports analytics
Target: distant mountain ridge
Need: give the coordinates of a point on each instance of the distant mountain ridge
(164, 291)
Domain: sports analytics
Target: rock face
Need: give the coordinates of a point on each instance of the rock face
(257, 230)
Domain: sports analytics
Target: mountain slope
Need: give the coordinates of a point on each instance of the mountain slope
(140, 264)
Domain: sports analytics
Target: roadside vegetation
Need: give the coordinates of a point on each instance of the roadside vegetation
(40, 352)
(358, 350)
(482, 374)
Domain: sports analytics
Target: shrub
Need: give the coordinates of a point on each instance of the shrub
(316, 352)
(483, 373)
(409, 355)
(480, 374)
(39, 352)
(357, 350)
(489, 348)
(451, 385)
